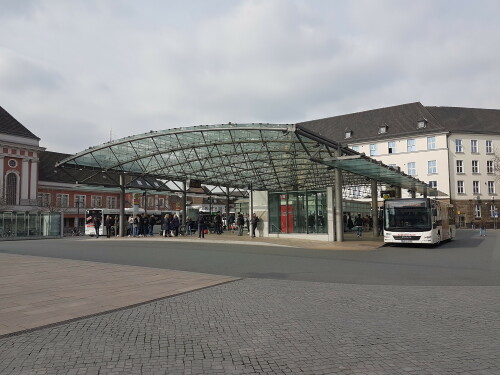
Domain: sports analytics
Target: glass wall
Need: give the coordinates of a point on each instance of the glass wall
(29, 224)
(298, 212)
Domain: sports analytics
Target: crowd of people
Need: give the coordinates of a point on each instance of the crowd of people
(142, 225)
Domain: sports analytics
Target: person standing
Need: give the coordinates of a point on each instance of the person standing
(109, 223)
(175, 225)
(240, 222)
(97, 226)
(131, 226)
(218, 223)
(152, 222)
(201, 226)
(255, 220)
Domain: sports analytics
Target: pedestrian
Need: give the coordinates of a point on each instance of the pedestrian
(136, 226)
(218, 223)
(482, 229)
(152, 222)
(350, 223)
(109, 223)
(240, 222)
(255, 220)
(380, 223)
(145, 225)
(175, 224)
(166, 225)
(247, 222)
(358, 222)
(201, 226)
(131, 226)
(97, 225)
(230, 222)
(189, 223)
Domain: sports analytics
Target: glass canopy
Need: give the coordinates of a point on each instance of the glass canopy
(259, 156)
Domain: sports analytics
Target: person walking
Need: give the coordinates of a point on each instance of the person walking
(358, 222)
(240, 222)
(131, 226)
(201, 226)
(109, 223)
(255, 220)
(482, 229)
(166, 225)
(218, 223)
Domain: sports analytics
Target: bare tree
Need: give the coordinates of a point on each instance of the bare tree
(496, 165)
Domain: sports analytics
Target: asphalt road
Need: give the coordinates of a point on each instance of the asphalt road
(468, 260)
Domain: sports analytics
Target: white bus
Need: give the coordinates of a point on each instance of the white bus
(418, 220)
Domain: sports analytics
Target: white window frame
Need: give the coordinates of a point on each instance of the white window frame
(373, 149)
(62, 200)
(489, 146)
(432, 167)
(473, 146)
(44, 199)
(489, 166)
(491, 187)
(460, 187)
(355, 148)
(493, 210)
(477, 211)
(476, 187)
(96, 201)
(410, 145)
(460, 166)
(391, 147)
(412, 167)
(475, 166)
(111, 202)
(433, 184)
(459, 147)
(161, 203)
(82, 199)
(431, 143)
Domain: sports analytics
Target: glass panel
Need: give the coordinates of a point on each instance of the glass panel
(275, 212)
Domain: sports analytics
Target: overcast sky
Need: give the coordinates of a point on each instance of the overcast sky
(77, 72)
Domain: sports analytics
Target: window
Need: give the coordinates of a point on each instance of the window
(12, 163)
(491, 187)
(458, 145)
(111, 202)
(421, 124)
(475, 166)
(355, 148)
(493, 210)
(412, 169)
(391, 147)
(473, 145)
(62, 200)
(11, 189)
(431, 167)
(96, 201)
(489, 147)
(489, 166)
(373, 149)
(475, 187)
(348, 133)
(460, 166)
(431, 143)
(44, 199)
(477, 211)
(151, 202)
(161, 203)
(383, 129)
(433, 184)
(460, 187)
(80, 201)
(410, 145)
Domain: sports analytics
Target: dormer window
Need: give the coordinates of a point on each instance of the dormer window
(383, 129)
(421, 124)
(348, 134)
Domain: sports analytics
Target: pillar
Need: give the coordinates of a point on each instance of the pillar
(374, 208)
(339, 214)
(121, 229)
(184, 203)
(25, 181)
(330, 203)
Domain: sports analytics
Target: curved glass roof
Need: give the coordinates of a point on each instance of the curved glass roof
(262, 156)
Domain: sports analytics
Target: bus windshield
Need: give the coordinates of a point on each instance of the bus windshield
(407, 215)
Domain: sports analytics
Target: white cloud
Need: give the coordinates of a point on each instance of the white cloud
(72, 71)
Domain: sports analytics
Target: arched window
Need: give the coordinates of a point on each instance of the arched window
(11, 189)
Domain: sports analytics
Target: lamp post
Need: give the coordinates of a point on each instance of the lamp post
(77, 203)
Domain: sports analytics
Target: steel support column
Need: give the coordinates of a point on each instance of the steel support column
(374, 208)
(339, 214)
(121, 230)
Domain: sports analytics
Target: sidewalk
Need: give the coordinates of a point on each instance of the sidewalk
(351, 242)
(39, 291)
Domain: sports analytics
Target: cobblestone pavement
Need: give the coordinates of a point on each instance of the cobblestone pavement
(256, 326)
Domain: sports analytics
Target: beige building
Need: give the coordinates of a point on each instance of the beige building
(450, 148)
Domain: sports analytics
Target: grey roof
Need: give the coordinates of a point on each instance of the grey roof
(401, 120)
(9, 125)
(474, 120)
